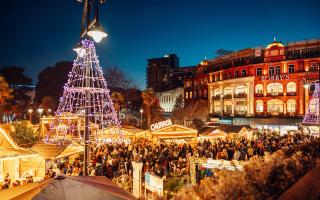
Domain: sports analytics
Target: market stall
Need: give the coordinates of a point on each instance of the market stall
(174, 133)
(17, 163)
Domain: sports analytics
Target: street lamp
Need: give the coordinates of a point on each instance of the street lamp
(90, 26)
(222, 109)
(141, 111)
(39, 111)
(30, 111)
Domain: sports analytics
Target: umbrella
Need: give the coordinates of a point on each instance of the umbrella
(81, 188)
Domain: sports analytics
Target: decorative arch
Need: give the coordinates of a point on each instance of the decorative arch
(274, 88)
(291, 87)
(259, 89)
(275, 106)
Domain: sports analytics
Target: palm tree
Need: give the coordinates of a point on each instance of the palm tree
(150, 104)
(5, 92)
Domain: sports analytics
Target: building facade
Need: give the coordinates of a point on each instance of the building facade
(164, 73)
(168, 98)
(271, 81)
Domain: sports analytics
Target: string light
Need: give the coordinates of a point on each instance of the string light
(86, 89)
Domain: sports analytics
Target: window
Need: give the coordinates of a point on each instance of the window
(313, 67)
(205, 93)
(217, 106)
(259, 71)
(275, 106)
(277, 70)
(291, 87)
(274, 53)
(313, 105)
(275, 88)
(241, 90)
(259, 106)
(244, 73)
(187, 95)
(271, 70)
(228, 91)
(291, 106)
(229, 75)
(190, 94)
(228, 106)
(259, 89)
(291, 69)
(236, 74)
(217, 92)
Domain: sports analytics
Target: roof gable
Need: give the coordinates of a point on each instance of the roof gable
(175, 128)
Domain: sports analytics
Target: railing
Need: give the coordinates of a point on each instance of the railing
(258, 94)
(291, 94)
(273, 94)
(240, 95)
(227, 96)
(216, 97)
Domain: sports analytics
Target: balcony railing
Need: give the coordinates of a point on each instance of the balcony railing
(216, 97)
(273, 94)
(240, 95)
(258, 94)
(240, 113)
(227, 96)
(291, 94)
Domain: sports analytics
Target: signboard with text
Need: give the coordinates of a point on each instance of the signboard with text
(160, 125)
(274, 77)
(154, 183)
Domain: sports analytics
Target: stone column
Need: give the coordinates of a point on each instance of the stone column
(232, 99)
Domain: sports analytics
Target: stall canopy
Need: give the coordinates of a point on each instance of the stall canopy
(174, 131)
(9, 149)
(52, 151)
(81, 187)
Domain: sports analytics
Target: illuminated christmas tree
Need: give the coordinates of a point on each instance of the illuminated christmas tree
(312, 117)
(87, 97)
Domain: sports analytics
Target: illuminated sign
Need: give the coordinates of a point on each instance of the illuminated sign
(274, 77)
(162, 124)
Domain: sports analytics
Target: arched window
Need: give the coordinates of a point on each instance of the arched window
(228, 90)
(291, 105)
(259, 106)
(259, 89)
(291, 87)
(217, 92)
(241, 89)
(275, 106)
(274, 88)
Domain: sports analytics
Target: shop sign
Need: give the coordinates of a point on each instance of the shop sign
(154, 183)
(161, 124)
(274, 77)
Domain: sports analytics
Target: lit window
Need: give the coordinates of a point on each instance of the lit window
(275, 106)
(274, 88)
(259, 89)
(291, 87)
(217, 106)
(191, 95)
(187, 95)
(241, 90)
(229, 75)
(259, 106)
(291, 105)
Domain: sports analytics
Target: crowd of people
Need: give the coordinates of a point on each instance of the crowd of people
(113, 160)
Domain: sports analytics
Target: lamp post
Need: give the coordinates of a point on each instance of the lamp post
(141, 111)
(90, 26)
(40, 111)
(30, 111)
(222, 108)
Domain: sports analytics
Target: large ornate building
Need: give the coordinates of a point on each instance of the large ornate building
(266, 81)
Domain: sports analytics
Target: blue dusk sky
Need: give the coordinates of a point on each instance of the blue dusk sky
(38, 33)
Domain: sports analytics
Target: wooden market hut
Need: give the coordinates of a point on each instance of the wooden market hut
(174, 133)
(19, 162)
(57, 151)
